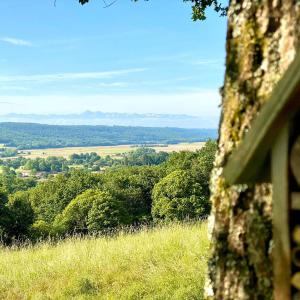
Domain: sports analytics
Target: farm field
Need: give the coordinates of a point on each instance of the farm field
(105, 150)
(163, 263)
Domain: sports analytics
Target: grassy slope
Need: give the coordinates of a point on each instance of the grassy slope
(164, 263)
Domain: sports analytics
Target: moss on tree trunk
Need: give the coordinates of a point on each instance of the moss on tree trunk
(262, 40)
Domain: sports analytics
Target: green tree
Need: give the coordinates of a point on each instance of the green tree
(75, 216)
(206, 157)
(133, 187)
(198, 164)
(143, 156)
(22, 215)
(91, 211)
(10, 183)
(183, 160)
(201, 160)
(50, 198)
(107, 212)
(5, 218)
(39, 230)
(178, 196)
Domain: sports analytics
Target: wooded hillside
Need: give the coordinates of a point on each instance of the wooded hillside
(34, 136)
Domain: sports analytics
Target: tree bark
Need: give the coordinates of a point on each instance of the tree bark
(262, 40)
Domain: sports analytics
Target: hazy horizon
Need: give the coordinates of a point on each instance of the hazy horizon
(114, 118)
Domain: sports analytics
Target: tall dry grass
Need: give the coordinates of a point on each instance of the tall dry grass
(167, 262)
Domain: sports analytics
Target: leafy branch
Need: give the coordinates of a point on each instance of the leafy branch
(198, 7)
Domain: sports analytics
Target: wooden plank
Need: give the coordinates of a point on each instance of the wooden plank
(281, 235)
(295, 199)
(245, 162)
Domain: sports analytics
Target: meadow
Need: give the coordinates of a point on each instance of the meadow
(167, 262)
(106, 150)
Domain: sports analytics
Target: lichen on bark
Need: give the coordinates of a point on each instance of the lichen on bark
(262, 40)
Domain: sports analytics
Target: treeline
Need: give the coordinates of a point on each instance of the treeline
(34, 136)
(84, 202)
(89, 161)
(8, 152)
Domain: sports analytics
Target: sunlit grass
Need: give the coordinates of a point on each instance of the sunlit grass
(163, 263)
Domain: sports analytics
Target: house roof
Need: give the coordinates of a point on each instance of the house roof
(250, 159)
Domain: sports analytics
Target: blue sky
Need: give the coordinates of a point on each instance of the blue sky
(145, 57)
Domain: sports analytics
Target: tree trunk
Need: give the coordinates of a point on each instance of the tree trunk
(262, 40)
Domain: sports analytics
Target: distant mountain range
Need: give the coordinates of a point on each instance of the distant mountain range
(121, 119)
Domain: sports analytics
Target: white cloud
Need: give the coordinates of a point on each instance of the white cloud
(163, 81)
(13, 88)
(133, 85)
(111, 84)
(16, 42)
(207, 62)
(69, 76)
(7, 103)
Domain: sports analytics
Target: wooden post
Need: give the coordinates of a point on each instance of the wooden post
(281, 232)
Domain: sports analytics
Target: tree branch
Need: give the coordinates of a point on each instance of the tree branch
(109, 4)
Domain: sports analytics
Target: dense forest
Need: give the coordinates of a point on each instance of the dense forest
(35, 136)
(145, 187)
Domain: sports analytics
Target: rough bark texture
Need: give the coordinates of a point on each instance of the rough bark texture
(262, 39)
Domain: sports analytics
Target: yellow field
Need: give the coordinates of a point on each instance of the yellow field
(105, 150)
